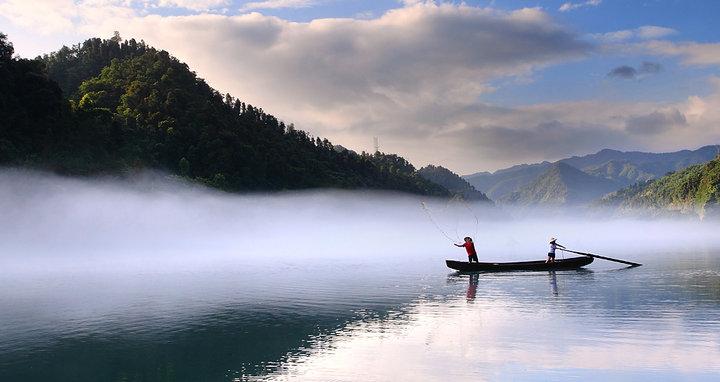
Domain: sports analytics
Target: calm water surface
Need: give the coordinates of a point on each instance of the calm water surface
(363, 321)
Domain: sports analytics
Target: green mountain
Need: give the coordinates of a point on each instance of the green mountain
(453, 182)
(133, 107)
(622, 172)
(561, 184)
(694, 190)
(623, 168)
(71, 66)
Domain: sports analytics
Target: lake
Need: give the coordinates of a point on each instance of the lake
(372, 321)
(105, 280)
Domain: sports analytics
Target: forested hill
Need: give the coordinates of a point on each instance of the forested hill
(70, 66)
(122, 106)
(695, 190)
(453, 182)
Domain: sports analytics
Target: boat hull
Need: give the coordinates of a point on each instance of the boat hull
(540, 265)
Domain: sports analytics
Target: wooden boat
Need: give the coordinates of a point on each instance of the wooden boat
(540, 265)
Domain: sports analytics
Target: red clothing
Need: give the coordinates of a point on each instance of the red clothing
(470, 248)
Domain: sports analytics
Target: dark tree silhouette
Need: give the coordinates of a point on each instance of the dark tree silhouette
(130, 106)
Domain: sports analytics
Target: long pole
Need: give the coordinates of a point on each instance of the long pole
(604, 258)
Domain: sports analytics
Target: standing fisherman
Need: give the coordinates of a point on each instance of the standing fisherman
(470, 248)
(553, 246)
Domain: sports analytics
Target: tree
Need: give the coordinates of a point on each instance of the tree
(6, 49)
(184, 167)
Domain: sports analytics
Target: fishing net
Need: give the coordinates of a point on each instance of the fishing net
(454, 218)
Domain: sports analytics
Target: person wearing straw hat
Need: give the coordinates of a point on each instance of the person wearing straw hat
(553, 246)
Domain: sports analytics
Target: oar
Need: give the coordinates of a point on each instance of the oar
(604, 258)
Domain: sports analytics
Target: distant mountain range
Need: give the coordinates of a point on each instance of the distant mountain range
(452, 182)
(694, 190)
(561, 184)
(582, 179)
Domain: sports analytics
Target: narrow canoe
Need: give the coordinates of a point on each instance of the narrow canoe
(540, 265)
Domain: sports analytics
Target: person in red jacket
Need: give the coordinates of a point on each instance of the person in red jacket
(470, 248)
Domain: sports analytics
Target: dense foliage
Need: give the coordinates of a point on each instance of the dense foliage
(132, 107)
(33, 115)
(693, 190)
(453, 182)
(70, 66)
(623, 172)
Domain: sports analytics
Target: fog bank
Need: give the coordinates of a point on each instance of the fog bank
(50, 222)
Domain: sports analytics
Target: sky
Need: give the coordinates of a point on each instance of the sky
(472, 86)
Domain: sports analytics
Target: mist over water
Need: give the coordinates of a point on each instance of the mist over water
(107, 279)
(153, 221)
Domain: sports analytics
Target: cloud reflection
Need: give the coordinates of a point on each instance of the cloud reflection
(501, 337)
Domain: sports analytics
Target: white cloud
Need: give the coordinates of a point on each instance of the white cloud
(646, 32)
(572, 6)
(504, 136)
(276, 4)
(56, 17)
(195, 5)
(691, 53)
(631, 42)
(62, 16)
(705, 111)
(656, 122)
(401, 75)
(652, 32)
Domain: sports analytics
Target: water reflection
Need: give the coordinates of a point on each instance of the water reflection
(660, 321)
(553, 283)
(472, 286)
(499, 340)
(605, 325)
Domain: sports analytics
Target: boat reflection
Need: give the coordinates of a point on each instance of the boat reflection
(473, 279)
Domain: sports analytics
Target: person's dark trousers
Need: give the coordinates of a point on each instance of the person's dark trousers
(471, 258)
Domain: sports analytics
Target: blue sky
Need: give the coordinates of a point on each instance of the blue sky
(474, 85)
